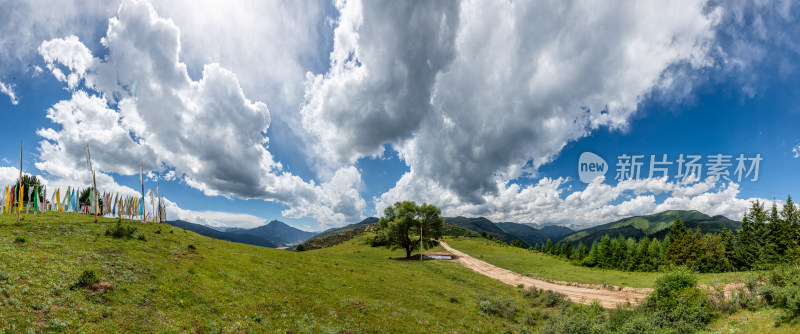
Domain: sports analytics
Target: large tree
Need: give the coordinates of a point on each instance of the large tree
(406, 225)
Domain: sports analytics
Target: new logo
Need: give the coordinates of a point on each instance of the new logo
(590, 166)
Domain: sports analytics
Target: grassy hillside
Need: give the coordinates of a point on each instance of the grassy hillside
(481, 225)
(528, 234)
(277, 232)
(554, 232)
(227, 236)
(655, 225)
(549, 267)
(159, 284)
(350, 227)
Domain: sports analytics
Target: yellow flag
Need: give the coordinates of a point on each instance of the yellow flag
(21, 188)
(8, 199)
(58, 199)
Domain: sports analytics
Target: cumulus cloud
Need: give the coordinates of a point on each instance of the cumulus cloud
(148, 110)
(468, 91)
(796, 151)
(8, 89)
(212, 218)
(553, 201)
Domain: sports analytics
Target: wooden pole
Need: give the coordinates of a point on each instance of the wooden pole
(19, 187)
(96, 200)
(141, 181)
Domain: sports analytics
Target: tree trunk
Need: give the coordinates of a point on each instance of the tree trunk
(408, 252)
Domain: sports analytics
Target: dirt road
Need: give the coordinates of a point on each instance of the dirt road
(609, 297)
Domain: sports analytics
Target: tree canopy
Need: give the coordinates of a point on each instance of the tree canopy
(406, 225)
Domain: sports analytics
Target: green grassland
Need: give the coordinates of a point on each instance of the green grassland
(550, 267)
(160, 285)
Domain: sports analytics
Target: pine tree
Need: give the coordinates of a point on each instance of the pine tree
(605, 252)
(641, 261)
(791, 219)
(729, 242)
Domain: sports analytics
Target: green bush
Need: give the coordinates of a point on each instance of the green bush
(300, 248)
(546, 298)
(191, 247)
(677, 303)
(121, 232)
(21, 239)
(87, 278)
(577, 319)
(783, 290)
(499, 307)
(141, 237)
(534, 316)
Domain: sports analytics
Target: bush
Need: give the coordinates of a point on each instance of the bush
(546, 298)
(192, 247)
(578, 319)
(677, 303)
(300, 248)
(500, 307)
(121, 232)
(534, 316)
(783, 290)
(21, 239)
(87, 278)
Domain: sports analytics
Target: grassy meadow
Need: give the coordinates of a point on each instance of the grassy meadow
(168, 280)
(546, 266)
(161, 285)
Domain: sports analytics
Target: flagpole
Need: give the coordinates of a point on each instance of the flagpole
(94, 181)
(141, 181)
(19, 222)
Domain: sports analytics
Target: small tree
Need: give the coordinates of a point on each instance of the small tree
(401, 224)
(28, 181)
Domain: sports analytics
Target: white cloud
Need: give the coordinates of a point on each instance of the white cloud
(547, 200)
(8, 89)
(148, 110)
(212, 218)
(469, 91)
(796, 151)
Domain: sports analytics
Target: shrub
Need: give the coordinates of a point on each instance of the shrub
(578, 319)
(783, 290)
(454, 299)
(121, 232)
(677, 303)
(499, 307)
(21, 239)
(546, 298)
(141, 237)
(300, 248)
(534, 316)
(191, 247)
(87, 278)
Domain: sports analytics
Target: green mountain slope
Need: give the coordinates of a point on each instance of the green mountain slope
(338, 230)
(277, 232)
(554, 232)
(160, 284)
(481, 225)
(227, 236)
(528, 234)
(655, 225)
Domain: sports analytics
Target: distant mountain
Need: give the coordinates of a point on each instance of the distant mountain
(234, 237)
(481, 225)
(554, 232)
(276, 232)
(527, 234)
(652, 226)
(339, 230)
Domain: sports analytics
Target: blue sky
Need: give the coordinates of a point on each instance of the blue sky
(320, 115)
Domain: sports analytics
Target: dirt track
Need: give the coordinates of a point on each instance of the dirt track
(609, 297)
